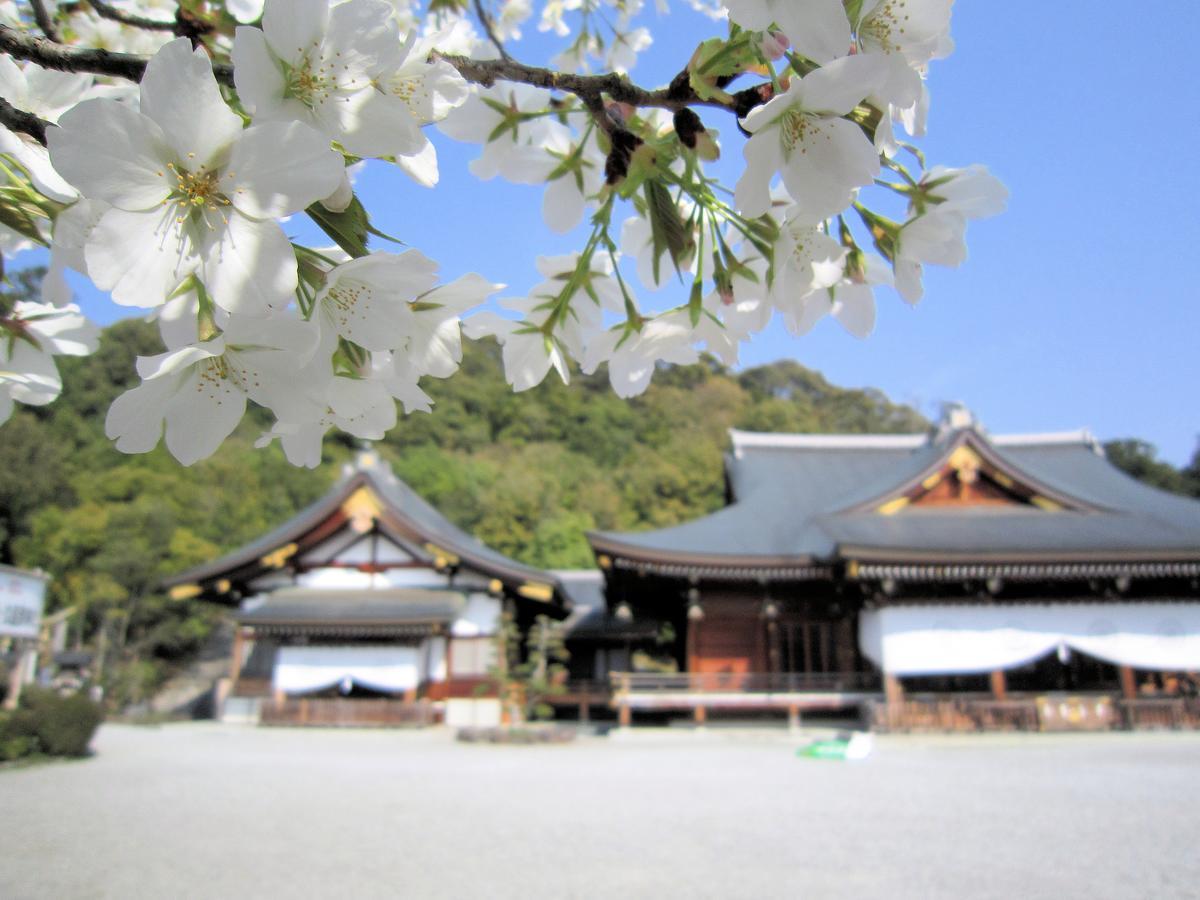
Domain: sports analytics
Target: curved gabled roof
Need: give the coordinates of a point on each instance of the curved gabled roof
(401, 513)
(819, 498)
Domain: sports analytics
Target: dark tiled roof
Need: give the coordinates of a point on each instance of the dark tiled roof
(394, 606)
(811, 499)
(402, 504)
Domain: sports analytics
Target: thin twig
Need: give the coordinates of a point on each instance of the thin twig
(27, 123)
(76, 59)
(489, 28)
(45, 21)
(108, 12)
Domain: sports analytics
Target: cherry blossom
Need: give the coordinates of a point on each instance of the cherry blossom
(190, 191)
(801, 134)
(29, 341)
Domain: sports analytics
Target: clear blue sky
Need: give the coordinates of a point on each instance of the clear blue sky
(1076, 307)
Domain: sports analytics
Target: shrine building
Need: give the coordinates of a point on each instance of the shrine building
(952, 579)
(368, 607)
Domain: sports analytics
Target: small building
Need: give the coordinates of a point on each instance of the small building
(368, 607)
(950, 579)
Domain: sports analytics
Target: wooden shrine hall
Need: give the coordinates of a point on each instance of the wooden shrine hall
(368, 607)
(953, 579)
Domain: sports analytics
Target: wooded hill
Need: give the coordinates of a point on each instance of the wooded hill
(526, 473)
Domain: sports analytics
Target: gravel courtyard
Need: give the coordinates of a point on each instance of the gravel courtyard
(205, 810)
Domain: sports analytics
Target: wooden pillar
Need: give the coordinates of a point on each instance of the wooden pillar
(584, 711)
(624, 715)
(999, 685)
(1128, 683)
(793, 718)
(893, 690)
(16, 677)
(235, 657)
(700, 716)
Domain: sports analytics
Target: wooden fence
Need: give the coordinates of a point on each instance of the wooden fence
(345, 712)
(1044, 713)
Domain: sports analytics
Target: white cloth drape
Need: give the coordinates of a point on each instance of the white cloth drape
(946, 640)
(301, 670)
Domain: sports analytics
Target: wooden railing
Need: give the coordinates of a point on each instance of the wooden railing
(744, 682)
(955, 714)
(1097, 712)
(1160, 713)
(339, 711)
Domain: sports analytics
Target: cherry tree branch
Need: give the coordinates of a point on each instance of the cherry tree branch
(109, 12)
(49, 55)
(489, 28)
(588, 88)
(44, 20)
(27, 123)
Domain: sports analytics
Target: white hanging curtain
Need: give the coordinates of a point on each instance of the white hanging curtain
(961, 640)
(302, 670)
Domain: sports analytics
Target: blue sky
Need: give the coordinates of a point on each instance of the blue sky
(1076, 307)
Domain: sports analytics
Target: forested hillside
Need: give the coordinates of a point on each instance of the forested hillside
(527, 473)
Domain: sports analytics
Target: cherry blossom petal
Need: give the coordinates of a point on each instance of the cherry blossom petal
(258, 76)
(293, 26)
(113, 153)
(278, 168)
(204, 412)
(140, 256)
(200, 127)
(249, 267)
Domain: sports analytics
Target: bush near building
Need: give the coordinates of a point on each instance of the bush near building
(49, 724)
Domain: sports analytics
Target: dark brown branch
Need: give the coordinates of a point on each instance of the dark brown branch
(27, 123)
(44, 20)
(489, 27)
(75, 59)
(108, 12)
(589, 88)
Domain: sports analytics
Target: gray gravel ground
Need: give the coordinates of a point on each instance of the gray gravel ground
(205, 810)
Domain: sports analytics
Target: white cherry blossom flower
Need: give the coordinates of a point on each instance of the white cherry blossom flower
(359, 407)
(528, 352)
(435, 340)
(806, 260)
(197, 394)
(801, 134)
(316, 64)
(497, 119)
(851, 301)
(245, 10)
(817, 29)
(72, 228)
(367, 300)
(29, 340)
(972, 191)
(401, 379)
(633, 355)
(937, 235)
(190, 191)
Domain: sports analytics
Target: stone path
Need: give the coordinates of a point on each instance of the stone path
(205, 810)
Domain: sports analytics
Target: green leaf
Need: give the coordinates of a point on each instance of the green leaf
(667, 229)
(349, 228)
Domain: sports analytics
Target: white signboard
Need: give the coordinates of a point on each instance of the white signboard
(21, 598)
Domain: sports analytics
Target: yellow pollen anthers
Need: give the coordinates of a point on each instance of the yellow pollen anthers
(310, 87)
(196, 191)
(796, 127)
(885, 23)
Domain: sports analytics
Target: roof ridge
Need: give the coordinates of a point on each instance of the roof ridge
(761, 440)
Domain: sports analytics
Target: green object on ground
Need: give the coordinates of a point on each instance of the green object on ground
(824, 750)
